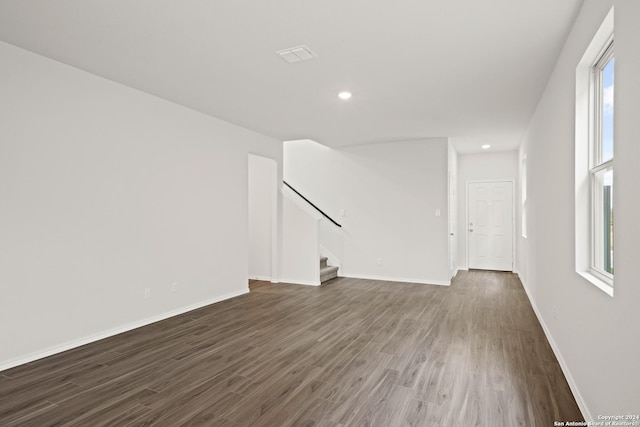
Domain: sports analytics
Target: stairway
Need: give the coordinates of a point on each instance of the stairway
(327, 272)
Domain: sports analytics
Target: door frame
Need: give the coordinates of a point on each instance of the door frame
(513, 217)
(452, 230)
(273, 184)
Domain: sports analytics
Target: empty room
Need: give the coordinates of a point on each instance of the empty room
(326, 213)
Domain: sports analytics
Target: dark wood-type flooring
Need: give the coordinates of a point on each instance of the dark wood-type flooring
(350, 353)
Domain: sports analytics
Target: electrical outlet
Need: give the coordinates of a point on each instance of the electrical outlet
(174, 287)
(380, 261)
(555, 313)
(147, 293)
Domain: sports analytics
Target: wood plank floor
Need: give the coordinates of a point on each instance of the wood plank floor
(350, 353)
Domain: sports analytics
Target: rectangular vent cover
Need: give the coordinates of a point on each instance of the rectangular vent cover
(296, 54)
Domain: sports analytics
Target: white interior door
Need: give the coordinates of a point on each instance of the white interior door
(490, 225)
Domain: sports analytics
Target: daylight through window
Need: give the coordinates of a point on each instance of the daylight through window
(594, 160)
(601, 165)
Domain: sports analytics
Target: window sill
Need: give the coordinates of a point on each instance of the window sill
(600, 284)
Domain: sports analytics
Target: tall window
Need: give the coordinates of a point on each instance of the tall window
(601, 166)
(523, 192)
(594, 157)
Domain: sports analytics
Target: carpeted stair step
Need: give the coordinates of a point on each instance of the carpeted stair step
(323, 262)
(327, 272)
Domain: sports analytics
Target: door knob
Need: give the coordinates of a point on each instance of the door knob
(471, 230)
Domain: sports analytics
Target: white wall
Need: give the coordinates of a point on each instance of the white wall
(300, 245)
(262, 205)
(502, 165)
(106, 191)
(594, 335)
(389, 193)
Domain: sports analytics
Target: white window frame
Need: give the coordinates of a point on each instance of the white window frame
(588, 161)
(596, 164)
(523, 194)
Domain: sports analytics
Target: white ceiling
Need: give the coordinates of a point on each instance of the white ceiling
(470, 70)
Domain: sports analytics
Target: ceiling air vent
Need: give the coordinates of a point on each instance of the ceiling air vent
(296, 54)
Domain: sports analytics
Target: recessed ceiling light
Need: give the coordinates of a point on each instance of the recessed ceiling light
(486, 146)
(344, 95)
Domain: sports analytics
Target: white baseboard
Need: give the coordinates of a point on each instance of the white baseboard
(299, 282)
(111, 332)
(563, 365)
(262, 278)
(395, 279)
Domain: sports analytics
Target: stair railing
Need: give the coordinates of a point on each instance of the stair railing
(311, 204)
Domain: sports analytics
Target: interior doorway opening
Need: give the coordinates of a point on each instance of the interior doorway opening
(262, 217)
